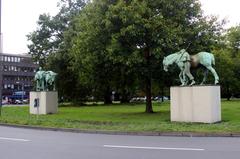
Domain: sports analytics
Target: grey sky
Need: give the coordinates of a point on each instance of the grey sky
(20, 16)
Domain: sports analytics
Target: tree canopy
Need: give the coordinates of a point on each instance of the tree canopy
(105, 47)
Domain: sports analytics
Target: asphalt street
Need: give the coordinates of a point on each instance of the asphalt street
(17, 143)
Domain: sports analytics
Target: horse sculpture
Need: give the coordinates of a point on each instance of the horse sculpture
(184, 61)
(45, 80)
(50, 79)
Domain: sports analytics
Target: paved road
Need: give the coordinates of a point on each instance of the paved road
(16, 143)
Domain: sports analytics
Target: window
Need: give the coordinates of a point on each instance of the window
(5, 68)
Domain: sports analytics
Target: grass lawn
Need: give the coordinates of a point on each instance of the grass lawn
(129, 118)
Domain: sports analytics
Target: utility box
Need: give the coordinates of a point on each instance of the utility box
(43, 102)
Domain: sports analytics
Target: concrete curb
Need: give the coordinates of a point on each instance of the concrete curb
(171, 134)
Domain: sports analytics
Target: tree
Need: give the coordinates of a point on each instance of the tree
(233, 40)
(48, 37)
(136, 35)
(49, 47)
(228, 62)
(225, 68)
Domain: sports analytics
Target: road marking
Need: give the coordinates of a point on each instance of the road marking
(14, 139)
(153, 148)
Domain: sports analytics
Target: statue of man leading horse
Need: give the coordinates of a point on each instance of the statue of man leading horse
(45, 80)
(184, 61)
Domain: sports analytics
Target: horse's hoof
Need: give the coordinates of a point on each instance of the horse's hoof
(193, 82)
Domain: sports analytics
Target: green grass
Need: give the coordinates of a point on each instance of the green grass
(129, 118)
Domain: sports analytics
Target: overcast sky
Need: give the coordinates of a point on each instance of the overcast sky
(19, 18)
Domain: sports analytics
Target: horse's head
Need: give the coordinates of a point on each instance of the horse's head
(165, 64)
(36, 77)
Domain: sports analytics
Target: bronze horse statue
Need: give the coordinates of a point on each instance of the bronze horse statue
(45, 80)
(184, 61)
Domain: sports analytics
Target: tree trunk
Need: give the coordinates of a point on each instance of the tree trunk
(162, 94)
(149, 95)
(108, 97)
(228, 93)
(125, 97)
(148, 82)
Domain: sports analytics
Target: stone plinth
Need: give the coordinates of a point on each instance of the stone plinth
(43, 102)
(196, 104)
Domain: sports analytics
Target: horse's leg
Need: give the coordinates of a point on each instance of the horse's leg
(43, 85)
(210, 68)
(54, 87)
(46, 86)
(185, 78)
(181, 77)
(205, 76)
(37, 89)
(188, 73)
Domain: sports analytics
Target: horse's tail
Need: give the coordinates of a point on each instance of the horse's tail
(213, 59)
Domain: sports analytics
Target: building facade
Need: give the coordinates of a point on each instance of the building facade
(17, 75)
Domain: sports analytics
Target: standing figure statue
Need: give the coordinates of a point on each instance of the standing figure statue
(185, 62)
(182, 59)
(45, 80)
(40, 79)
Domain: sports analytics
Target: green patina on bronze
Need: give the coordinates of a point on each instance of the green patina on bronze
(184, 61)
(45, 80)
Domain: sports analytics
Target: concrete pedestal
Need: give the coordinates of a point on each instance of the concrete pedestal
(196, 104)
(43, 102)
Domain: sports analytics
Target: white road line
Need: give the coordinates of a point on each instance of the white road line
(14, 139)
(153, 148)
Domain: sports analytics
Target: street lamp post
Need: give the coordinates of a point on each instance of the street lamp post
(22, 92)
(22, 89)
(1, 35)
(1, 58)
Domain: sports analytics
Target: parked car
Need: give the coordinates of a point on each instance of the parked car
(138, 99)
(160, 98)
(5, 102)
(18, 101)
(25, 101)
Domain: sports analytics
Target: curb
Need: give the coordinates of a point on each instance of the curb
(167, 134)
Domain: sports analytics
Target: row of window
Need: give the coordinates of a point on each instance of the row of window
(15, 87)
(17, 78)
(11, 59)
(18, 69)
